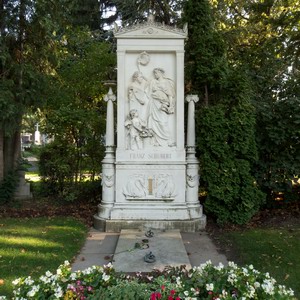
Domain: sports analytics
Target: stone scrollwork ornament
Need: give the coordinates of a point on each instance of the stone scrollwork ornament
(143, 59)
(108, 180)
(192, 180)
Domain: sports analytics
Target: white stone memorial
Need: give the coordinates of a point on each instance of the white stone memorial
(150, 179)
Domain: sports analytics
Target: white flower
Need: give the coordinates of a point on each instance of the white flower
(33, 291)
(232, 278)
(186, 293)
(268, 287)
(3, 298)
(16, 281)
(231, 264)
(58, 272)
(210, 287)
(245, 271)
(178, 281)
(105, 277)
(48, 274)
(66, 263)
(58, 292)
(251, 267)
(256, 284)
(73, 276)
(219, 267)
(28, 281)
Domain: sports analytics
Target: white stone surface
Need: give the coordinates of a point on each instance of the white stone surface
(151, 176)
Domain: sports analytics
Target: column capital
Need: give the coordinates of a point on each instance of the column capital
(110, 96)
(192, 98)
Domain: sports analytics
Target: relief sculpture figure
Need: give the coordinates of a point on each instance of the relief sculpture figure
(137, 95)
(161, 105)
(135, 187)
(137, 130)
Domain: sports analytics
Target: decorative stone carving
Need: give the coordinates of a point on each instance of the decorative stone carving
(192, 180)
(165, 186)
(108, 180)
(161, 105)
(137, 130)
(137, 96)
(136, 187)
(158, 186)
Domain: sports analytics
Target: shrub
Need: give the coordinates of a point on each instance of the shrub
(174, 283)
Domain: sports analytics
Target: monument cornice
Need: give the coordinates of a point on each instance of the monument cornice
(150, 29)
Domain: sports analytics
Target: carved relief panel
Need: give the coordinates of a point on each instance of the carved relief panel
(151, 101)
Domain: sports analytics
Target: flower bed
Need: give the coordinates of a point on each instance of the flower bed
(204, 282)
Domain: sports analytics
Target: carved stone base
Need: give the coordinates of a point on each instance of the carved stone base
(117, 225)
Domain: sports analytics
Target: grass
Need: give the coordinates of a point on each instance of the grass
(34, 245)
(273, 250)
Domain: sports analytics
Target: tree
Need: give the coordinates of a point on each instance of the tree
(225, 122)
(74, 114)
(28, 54)
(263, 38)
(205, 58)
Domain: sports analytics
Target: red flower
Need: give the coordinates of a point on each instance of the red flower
(159, 295)
(163, 287)
(153, 296)
(172, 292)
(170, 298)
(177, 298)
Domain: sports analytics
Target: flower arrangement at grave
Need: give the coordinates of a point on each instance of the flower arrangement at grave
(173, 283)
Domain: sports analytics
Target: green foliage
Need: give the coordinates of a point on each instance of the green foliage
(226, 142)
(56, 166)
(36, 245)
(8, 187)
(276, 250)
(279, 166)
(206, 64)
(123, 291)
(204, 282)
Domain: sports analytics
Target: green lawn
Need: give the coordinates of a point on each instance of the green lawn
(33, 246)
(276, 251)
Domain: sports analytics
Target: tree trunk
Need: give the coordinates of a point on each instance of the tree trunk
(206, 95)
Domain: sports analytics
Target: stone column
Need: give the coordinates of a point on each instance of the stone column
(192, 170)
(108, 166)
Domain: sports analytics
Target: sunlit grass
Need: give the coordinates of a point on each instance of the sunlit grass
(32, 176)
(270, 250)
(33, 246)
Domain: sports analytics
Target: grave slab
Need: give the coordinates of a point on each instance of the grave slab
(167, 246)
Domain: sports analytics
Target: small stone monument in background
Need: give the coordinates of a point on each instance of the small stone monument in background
(150, 179)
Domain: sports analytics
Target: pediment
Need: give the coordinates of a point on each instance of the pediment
(151, 30)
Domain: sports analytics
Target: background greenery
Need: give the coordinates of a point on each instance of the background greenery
(242, 59)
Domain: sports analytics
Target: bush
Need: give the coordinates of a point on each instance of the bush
(8, 187)
(204, 282)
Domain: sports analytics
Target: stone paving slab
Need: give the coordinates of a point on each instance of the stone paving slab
(200, 248)
(100, 247)
(167, 246)
(98, 250)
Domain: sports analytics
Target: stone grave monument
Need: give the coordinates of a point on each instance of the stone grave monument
(150, 179)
